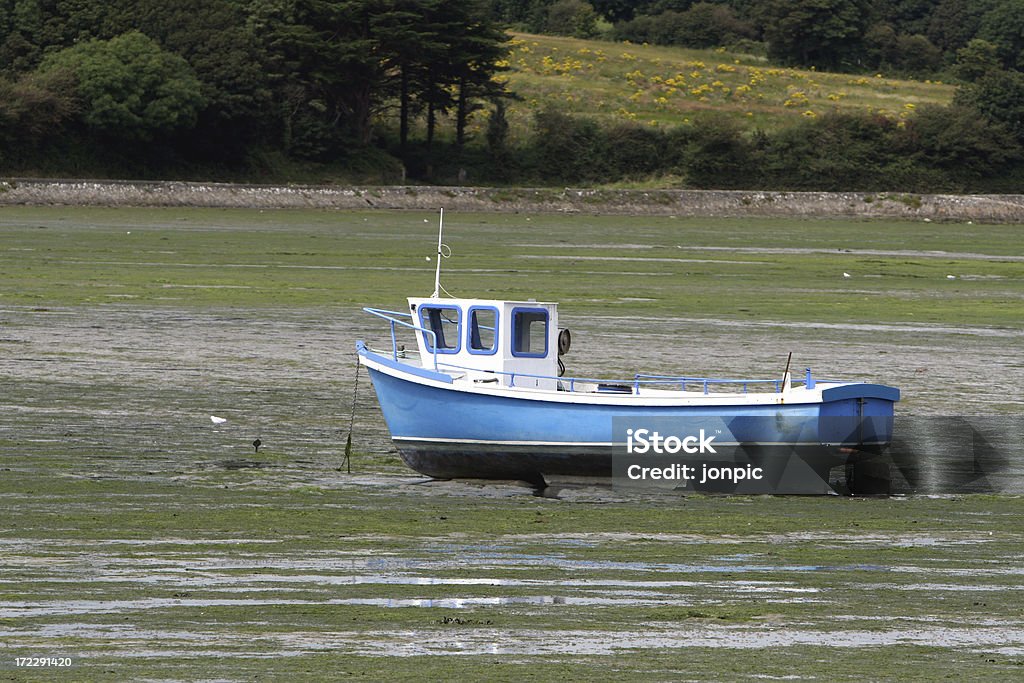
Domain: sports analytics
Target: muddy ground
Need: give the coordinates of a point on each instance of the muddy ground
(142, 541)
(139, 534)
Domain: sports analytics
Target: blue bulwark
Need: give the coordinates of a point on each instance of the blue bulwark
(862, 390)
(402, 367)
(438, 319)
(530, 332)
(482, 338)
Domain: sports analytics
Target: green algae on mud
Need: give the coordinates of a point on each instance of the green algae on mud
(231, 578)
(766, 269)
(144, 541)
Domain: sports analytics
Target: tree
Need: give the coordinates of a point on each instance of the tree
(704, 24)
(411, 40)
(718, 156)
(908, 54)
(837, 152)
(129, 87)
(644, 28)
(31, 28)
(497, 129)
(954, 23)
(909, 17)
(620, 10)
(341, 63)
(1003, 26)
(708, 24)
(958, 142)
(999, 96)
(820, 33)
(525, 14)
(567, 149)
(880, 46)
(917, 55)
(213, 37)
(20, 22)
(978, 59)
(572, 18)
(477, 48)
(328, 69)
(35, 106)
(633, 151)
(501, 158)
(354, 70)
(458, 73)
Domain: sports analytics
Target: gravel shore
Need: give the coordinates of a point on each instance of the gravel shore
(937, 207)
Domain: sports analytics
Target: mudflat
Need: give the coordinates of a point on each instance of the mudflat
(143, 540)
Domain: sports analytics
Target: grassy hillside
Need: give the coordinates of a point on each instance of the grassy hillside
(667, 86)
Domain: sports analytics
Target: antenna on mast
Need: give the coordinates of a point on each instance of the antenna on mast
(443, 251)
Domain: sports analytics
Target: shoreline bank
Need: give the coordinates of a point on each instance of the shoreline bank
(683, 203)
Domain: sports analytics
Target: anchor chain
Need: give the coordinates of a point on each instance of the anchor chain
(351, 421)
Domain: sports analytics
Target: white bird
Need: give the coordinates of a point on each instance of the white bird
(847, 275)
(217, 420)
(951, 277)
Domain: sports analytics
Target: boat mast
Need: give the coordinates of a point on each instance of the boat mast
(437, 271)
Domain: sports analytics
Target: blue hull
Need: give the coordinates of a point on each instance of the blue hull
(443, 432)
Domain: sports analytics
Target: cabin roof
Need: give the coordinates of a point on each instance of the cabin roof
(453, 301)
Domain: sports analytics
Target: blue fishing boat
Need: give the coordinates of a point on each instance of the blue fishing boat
(483, 394)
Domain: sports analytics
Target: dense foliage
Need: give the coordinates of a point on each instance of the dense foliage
(222, 82)
(385, 90)
(948, 149)
(909, 37)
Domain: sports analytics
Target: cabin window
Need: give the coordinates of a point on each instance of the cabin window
(483, 330)
(530, 332)
(446, 324)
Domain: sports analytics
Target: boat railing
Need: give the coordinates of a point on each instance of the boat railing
(633, 386)
(570, 381)
(640, 380)
(707, 383)
(390, 317)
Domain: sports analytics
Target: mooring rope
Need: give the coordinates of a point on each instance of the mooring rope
(351, 421)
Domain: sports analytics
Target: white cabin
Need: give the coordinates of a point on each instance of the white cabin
(509, 343)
